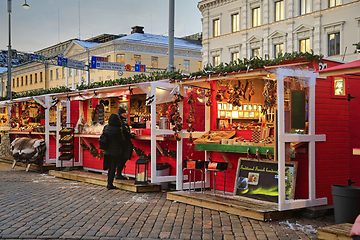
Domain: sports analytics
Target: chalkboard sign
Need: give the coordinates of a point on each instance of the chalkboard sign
(258, 179)
(297, 109)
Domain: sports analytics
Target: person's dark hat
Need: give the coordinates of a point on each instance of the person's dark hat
(114, 120)
(121, 110)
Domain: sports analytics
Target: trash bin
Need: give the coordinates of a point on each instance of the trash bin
(346, 203)
(163, 169)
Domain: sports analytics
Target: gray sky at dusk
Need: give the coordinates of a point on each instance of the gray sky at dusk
(48, 22)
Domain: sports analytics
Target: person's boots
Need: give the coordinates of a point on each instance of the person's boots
(119, 176)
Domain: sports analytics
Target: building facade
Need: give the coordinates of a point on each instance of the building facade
(234, 29)
(138, 47)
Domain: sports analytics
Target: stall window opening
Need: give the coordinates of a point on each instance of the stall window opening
(154, 62)
(235, 22)
(334, 44)
(120, 58)
(278, 48)
(339, 87)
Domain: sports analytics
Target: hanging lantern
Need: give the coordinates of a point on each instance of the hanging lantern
(141, 171)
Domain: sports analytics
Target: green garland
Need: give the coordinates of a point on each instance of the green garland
(93, 151)
(234, 66)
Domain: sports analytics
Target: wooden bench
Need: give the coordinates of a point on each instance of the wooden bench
(336, 232)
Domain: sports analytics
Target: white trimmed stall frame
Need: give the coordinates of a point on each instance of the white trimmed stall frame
(309, 138)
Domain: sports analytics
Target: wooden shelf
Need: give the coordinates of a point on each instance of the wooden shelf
(235, 148)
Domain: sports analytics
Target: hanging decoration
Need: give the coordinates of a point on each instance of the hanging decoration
(174, 115)
(191, 119)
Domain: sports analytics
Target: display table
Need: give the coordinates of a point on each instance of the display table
(235, 148)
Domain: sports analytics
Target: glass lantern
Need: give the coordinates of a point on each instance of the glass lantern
(141, 171)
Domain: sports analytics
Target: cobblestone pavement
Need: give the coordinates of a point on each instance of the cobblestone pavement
(39, 206)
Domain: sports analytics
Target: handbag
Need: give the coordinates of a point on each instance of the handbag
(102, 141)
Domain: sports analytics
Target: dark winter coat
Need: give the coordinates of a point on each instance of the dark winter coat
(114, 136)
(128, 146)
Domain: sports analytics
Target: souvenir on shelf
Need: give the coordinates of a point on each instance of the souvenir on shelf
(215, 137)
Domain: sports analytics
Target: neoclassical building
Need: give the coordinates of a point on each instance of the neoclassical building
(138, 47)
(235, 29)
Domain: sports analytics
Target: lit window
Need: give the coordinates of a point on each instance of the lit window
(235, 22)
(216, 27)
(186, 65)
(304, 45)
(279, 11)
(256, 17)
(235, 56)
(255, 52)
(339, 86)
(154, 62)
(216, 60)
(333, 3)
(305, 6)
(199, 65)
(334, 44)
(278, 48)
(137, 59)
(120, 58)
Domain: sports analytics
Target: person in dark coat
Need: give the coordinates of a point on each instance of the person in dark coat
(127, 147)
(114, 147)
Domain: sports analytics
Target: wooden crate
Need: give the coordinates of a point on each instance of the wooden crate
(214, 137)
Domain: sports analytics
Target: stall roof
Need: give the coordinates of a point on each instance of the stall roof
(346, 68)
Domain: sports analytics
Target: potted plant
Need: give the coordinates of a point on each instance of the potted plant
(357, 45)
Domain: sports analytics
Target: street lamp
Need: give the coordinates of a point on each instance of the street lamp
(25, 5)
(9, 49)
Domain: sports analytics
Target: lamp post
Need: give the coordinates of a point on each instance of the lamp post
(25, 5)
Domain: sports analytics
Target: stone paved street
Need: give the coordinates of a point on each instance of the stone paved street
(39, 206)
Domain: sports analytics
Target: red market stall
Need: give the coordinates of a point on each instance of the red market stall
(150, 107)
(294, 112)
(346, 79)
